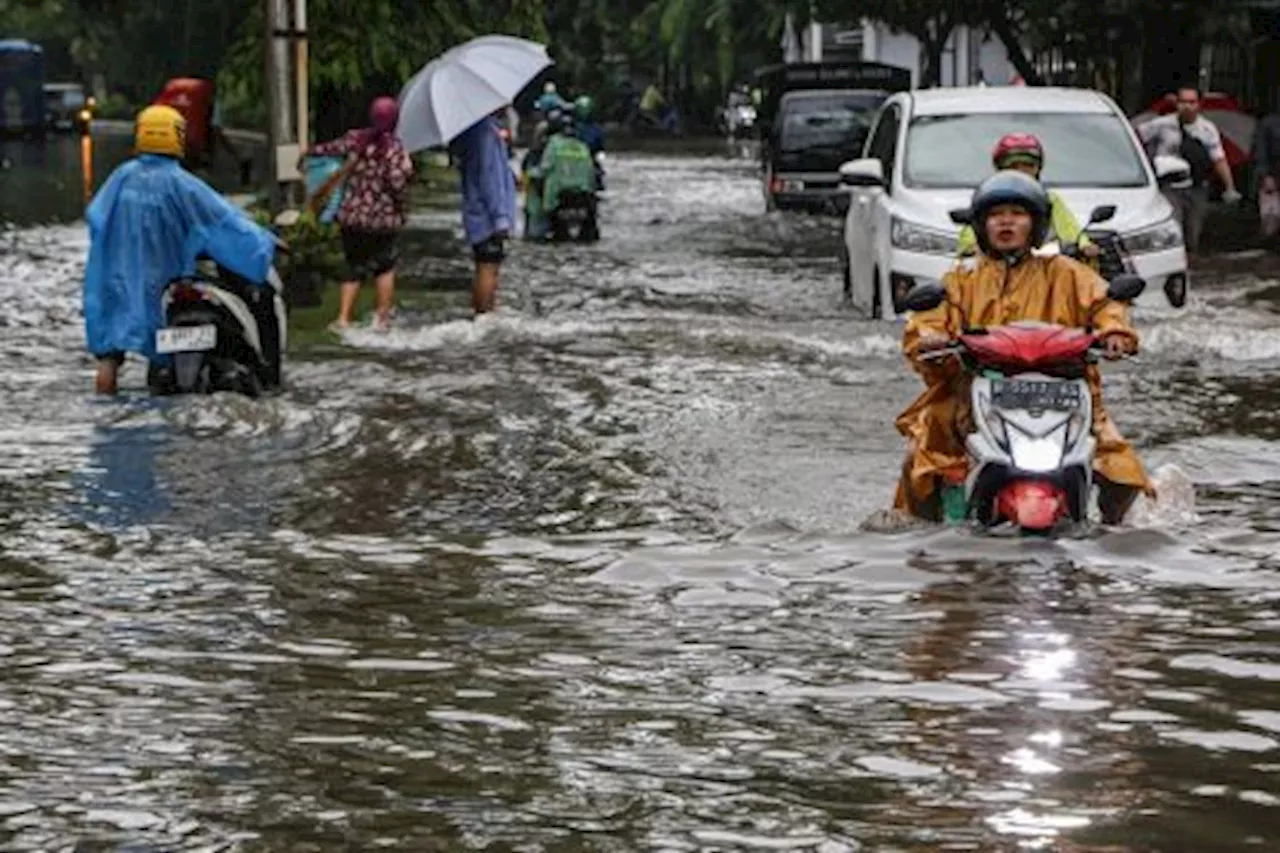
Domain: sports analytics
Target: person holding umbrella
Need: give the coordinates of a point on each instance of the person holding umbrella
(488, 203)
(455, 101)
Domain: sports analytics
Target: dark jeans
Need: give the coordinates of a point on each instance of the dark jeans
(1190, 208)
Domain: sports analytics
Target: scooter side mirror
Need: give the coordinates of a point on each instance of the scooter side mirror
(1102, 213)
(1126, 287)
(924, 297)
(961, 216)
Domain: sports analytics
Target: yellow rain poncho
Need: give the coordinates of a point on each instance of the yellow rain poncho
(988, 292)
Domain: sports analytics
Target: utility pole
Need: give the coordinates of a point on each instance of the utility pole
(302, 72)
(282, 135)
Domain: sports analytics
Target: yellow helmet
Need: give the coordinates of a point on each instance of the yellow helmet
(161, 130)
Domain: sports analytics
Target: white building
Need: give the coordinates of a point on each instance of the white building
(970, 54)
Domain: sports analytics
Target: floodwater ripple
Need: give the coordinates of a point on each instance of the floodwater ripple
(592, 574)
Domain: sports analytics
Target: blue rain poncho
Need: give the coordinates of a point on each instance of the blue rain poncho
(147, 225)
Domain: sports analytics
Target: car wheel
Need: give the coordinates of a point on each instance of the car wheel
(770, 203)
(877, 310)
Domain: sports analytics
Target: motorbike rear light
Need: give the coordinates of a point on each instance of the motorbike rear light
(185, 294)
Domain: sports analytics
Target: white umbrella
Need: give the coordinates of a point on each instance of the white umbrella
(459, 88)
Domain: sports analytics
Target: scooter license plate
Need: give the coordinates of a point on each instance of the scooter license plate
(1036, 396)
(186, 339)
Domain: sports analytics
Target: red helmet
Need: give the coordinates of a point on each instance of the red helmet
(1016, 148)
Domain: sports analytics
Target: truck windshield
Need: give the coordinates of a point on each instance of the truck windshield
(828, 120)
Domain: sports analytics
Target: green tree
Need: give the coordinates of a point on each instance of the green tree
(359, 48)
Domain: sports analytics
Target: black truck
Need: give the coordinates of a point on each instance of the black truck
(814, 117)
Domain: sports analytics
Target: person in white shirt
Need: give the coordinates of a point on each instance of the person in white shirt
(1194, 138)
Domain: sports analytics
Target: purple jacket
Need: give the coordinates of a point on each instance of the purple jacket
(488, 184)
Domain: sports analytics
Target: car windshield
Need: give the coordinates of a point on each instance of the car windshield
(841, 120)
(1080, 149)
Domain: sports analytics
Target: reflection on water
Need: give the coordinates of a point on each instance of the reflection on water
(589, 576)
(119, 484)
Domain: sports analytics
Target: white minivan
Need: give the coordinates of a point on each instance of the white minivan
(928, 149)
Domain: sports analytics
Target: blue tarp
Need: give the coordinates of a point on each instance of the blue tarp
(147, 225)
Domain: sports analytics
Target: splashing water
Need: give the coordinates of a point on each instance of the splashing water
(595, 576)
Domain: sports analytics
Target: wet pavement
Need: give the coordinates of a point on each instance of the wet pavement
(591, 575)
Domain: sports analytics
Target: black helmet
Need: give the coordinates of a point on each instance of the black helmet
(1010, 187)
(559, 121)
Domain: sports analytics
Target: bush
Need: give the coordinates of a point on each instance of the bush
(314, 258)
(117, 107)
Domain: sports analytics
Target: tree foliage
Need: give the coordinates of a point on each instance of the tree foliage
(697, 48)
(361, 47)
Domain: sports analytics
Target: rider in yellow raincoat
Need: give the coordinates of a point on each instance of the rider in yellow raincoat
(1005, 284)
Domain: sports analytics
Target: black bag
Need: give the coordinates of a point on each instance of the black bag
(1194, 152)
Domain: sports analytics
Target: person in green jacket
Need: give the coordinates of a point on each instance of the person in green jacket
(1023, 152)
(567, 169)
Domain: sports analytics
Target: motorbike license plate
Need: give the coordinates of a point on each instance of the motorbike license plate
(187, 339)
(1035, 396)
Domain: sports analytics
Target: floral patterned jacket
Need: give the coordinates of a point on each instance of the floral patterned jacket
(377, 189)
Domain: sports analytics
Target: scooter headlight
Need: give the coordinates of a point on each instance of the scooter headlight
(1039, 455)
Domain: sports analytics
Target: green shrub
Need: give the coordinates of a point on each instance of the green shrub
(116, 107)
(314, 258)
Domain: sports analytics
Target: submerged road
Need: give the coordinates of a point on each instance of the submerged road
(592, 575)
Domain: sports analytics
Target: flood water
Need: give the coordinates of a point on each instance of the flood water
(590, 575)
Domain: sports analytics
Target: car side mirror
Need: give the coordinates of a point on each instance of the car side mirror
(1102, 213)
(866, 172)
(1172, 172)
(925, 296)
(1126, 287)
(961, 216)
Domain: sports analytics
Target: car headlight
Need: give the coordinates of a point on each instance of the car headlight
(1158, 238)
(917, 238)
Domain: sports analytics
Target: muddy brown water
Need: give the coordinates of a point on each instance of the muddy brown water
(591, 576)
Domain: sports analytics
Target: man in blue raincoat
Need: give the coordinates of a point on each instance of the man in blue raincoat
(147, 225)
(488, 204)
